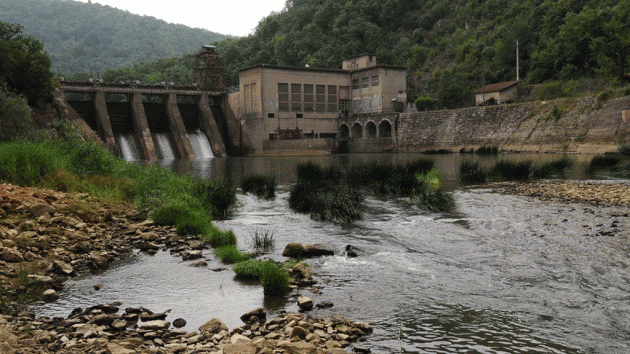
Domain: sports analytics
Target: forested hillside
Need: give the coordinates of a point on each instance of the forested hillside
(450, 47)
(81, 37)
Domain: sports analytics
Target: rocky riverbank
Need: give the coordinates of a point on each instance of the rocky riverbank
(594, 193)
(48, 236)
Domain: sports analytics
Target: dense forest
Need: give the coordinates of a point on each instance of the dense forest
(449, 47)
(82, 37)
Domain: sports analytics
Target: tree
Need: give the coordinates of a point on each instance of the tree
(15, 116)
(24, 67)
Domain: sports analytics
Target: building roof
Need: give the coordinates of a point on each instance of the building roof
(498, 87)
(304, 68)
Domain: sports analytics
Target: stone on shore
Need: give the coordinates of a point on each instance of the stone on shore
(50, 295)
(305, 303)
(295, 250)
(213, 326)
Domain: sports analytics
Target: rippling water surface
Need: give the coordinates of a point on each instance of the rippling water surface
(501, 274)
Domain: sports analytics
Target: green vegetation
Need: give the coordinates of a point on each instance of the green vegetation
(263, 239)
(428, 193)
(504, 170)
(603, 161)
(230, 254)
(15, 116)
(217, 238)
(260, 185)
(624, 149)
(333, 194)
(84, 38)
(274, 278)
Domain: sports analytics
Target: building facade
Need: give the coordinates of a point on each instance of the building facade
(283, 103)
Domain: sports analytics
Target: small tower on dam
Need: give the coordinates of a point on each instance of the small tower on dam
(208, 72)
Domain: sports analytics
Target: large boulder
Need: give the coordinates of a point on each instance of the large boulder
(213, 326)
(294, 250)
(11, 255)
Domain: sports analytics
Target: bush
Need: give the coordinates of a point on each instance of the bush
(15, 116)
(425, 103)
(217, 196)
(260, 185)
(472, 172)
(230, 254)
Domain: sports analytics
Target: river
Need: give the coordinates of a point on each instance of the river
(500, 274)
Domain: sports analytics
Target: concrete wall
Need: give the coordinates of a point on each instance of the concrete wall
(299, 147)
(579, 125)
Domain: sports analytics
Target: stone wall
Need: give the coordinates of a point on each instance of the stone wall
(572, 125)
(298, 147)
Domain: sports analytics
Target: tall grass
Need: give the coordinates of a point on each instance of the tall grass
(472, 172)
(273, 278)
(260, 185)
(511, 171)
(263, 239)
(230, 254)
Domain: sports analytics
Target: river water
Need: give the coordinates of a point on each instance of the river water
(500, 274)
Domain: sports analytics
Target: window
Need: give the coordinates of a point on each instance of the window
(320, 98)
(365, 82)
(375, 80)
(332, 98)
(308, 98)
(299, 115)
(296, 97)
(271, 115)
(355, 84)
(283, 97)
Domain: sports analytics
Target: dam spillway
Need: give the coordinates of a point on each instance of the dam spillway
(151, 122)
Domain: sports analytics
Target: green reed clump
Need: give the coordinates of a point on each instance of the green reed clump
(472, 172)
(487, 150)
(312, 172)
(510, 170)
(388, 179)
(428, 194)
(217, 196)
(624, 149)
(217, 238)
(603, 162)
(263, 239)
(230, 254)
(26, 163)
(260, 185)
(337, 203)
(550, 168)
(273, 278)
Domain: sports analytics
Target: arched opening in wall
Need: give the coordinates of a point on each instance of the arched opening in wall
(370, 129)
(357, 130)
(385, 129)
(344, 131)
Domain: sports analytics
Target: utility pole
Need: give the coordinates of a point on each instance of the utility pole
(517, 75)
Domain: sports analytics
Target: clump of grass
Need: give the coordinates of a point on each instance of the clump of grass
(217, 238)
(624, 149)
(471, 172)
(186, 213)
(263, 239)
(429, 194)
(552, 167)
(292, 262)
(217, 196)
(230, 254)
(26, 164)
(260, 185)
(487, 150)
(603, 162)
(388, 179)
(273, 278)
(509, 170)
(337, 203)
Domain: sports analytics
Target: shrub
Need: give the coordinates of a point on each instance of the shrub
(15, 116)
(425, 103)
(260, 185)
(217, 238)
(230, 254)
(263, 239)
(217, 196)
(472, 172)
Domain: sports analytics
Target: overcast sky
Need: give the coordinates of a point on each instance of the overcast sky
(234, 17)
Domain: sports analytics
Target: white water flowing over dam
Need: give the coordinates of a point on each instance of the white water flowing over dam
(128, 147)
(164, 148)
(200, 144)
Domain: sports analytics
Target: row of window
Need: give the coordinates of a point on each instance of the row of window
(307, 98)
(364, 82)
